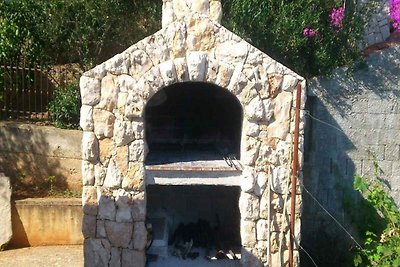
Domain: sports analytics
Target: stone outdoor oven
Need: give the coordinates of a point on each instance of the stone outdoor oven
(190, 124)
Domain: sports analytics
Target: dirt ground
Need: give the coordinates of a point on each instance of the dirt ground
(46, 256)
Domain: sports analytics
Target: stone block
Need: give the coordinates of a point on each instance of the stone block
(249, 206)
(377, 151)
(385, 31)
(280, 179)
(168, 15)
(89, 226)
(262, 230)
(86, 118)
(216, 11)
(5, 211)
(248, 180)
(392, 152)
(196, 62)
(114, 176)
(248, 233)
(119, 234)
(99, 174)
(376, 121)
(255, 111)
(89, 200)
(115, 257)
(103, 123)
(139, 207)
(232, 52)
(109, 93)
(118, 64)
(181, 69)
(87, 173)
(135, 101)
(132, 257)
(100, 229)
(90, 147)
(96, 252)
(168, 72)
(90, 90)
(137, 150)
(139, 236)
(123, 203)
(134, 180)
(107, 209)
(392, 121)
(200, 34)
(123, 132)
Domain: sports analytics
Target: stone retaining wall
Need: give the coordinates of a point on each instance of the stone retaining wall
(36, 152)
(364, 110)
(40, 222)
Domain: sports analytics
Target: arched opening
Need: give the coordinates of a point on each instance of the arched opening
(193, 131)
(193, 121)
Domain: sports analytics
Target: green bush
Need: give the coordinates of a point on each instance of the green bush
(381, 233)
(277, 28)
(65, 106)
(80, 31)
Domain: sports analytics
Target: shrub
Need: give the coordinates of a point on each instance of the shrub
(65, 106)
(382, 238)
(312, 37)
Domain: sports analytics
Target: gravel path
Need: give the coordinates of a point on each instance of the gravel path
(60, 256)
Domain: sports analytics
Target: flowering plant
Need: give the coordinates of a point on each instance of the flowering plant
(336, 17)
(309, 32)
(312, 37)
(394, 7)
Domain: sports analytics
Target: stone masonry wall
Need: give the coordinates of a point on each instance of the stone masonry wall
(36, 152)
(114, 95)
(378, 27)
(365, 113)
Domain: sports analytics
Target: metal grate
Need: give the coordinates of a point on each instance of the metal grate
(27, 88)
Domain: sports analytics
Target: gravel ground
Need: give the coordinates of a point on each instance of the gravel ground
(60, 256)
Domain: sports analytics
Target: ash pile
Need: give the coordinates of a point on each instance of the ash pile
(191, 241)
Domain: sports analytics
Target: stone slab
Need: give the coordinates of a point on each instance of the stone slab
(5, 211)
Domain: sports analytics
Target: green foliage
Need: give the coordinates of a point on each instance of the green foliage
(381, 238)
(65, 106)
(50, 183)
(22, 29)
(276, 27)
(81, 31)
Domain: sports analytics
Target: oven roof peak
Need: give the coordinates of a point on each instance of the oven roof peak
(173, 10)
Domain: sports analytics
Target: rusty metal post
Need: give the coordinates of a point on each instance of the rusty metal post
(294, 174)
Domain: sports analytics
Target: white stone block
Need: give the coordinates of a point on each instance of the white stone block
(90, 90)
(90, 146)
(196, 62)
(123, 132)
(254, 111)
(168, 72)
(87, 173)
(86, 118)
(113, 176)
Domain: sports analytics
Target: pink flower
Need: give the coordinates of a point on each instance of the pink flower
(309, 32)
(394, 8)
(336, 17)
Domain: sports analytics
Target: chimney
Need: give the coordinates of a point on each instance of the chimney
(176, 9)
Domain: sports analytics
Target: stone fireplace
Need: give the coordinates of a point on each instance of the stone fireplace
(190, 124)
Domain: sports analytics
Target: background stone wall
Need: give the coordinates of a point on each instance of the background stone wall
(378, 28)
(37, 152)
(364, 111)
